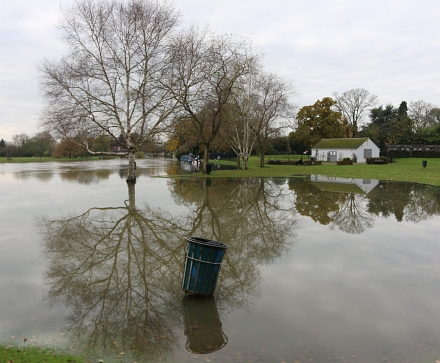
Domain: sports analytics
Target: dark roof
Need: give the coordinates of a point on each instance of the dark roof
(340, 143)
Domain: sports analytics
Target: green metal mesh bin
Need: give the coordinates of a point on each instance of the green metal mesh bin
(202, 265)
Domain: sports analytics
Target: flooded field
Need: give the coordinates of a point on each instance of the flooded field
(318, 269)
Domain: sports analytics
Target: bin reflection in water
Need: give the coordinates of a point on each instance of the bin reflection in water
(203, 328)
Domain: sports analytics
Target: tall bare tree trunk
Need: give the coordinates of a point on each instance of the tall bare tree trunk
(261, 149)
(131, 197)
(205, 157)
(131, 177)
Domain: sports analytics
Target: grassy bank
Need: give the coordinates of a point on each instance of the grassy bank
(407, 169)
(35, 355)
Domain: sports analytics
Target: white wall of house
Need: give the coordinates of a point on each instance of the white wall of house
(366, 185)
(366, 150)
(362, 154)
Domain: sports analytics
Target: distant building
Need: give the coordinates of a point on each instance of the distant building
(358, 149)
(413, 150)
(117, 147)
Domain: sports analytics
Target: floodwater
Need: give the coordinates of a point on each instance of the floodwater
(318, 269)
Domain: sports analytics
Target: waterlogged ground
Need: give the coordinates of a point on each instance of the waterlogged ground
(317, 270)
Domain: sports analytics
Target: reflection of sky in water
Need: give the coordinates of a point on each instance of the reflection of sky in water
(370, 295)
(366, 294)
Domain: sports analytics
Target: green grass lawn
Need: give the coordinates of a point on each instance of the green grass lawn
(35, 355)
(406, 169)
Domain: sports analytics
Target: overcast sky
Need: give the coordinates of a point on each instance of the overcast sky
(389, 47)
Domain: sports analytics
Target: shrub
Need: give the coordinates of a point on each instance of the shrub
(140, 155)
(379, 160)
(398, 153)
(425, 154)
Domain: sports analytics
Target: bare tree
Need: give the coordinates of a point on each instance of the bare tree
(207, 67)
(258, 109)
(241, 120)
(274, 110)
(110, 81)
(354, 104)
(421, 115)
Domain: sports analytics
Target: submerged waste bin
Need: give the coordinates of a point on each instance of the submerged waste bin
(202, 265)
(203, 328)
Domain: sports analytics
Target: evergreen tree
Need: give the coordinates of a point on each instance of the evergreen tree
(380, 129)
(403, 125)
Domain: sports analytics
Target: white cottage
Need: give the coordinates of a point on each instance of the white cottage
(344, 185)
(337, 149)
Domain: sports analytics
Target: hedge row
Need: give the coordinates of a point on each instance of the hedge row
(398, 154)
(379, 160)
(414, 154)
(425, 154)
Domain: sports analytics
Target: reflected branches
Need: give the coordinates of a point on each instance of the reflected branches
(119, 269)
(351, 204)
(246, 214)
(107, 265)
(352, 215)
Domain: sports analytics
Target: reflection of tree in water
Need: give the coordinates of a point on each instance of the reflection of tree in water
(85, 176)
(43, 175)
(120, 269)
(414, 202)
(245, 214)
(352, 215)
(345, 211)
(312, 202)
(354, 212)
(112, 266)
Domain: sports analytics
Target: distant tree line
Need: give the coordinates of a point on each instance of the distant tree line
(355, 114)
(44, 144)
(240, 133)
(41, 144)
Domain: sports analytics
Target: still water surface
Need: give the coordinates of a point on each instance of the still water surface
(317, 269)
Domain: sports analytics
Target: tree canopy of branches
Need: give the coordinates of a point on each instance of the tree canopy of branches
(318, 121)
(206, 71)
(274, 110)
(354, 104)
(256, 112)
(111, 79)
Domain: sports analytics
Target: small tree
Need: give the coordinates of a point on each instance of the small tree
(69, 149)
(206, 70)
(258, 110)
(274, 110)
(111, 80)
